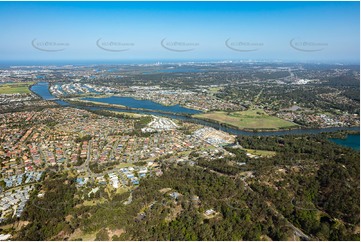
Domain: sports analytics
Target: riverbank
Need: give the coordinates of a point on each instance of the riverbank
(231, 130)
(342, 134)
(43, 91)
(189, 117)
(79, 101)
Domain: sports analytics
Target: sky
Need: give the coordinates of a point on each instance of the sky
(128, 31)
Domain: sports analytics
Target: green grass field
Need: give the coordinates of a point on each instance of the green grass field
(250, 119)
(215, 89)
(123, 165)
(262, 153)
(11, 88)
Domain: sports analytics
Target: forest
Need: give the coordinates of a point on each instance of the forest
(311, 185)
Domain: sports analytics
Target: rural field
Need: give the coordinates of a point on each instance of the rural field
(11, 88)
(250, 119)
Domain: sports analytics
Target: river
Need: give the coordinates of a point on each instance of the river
(144, 104)
(42, 89)
(352, 141)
